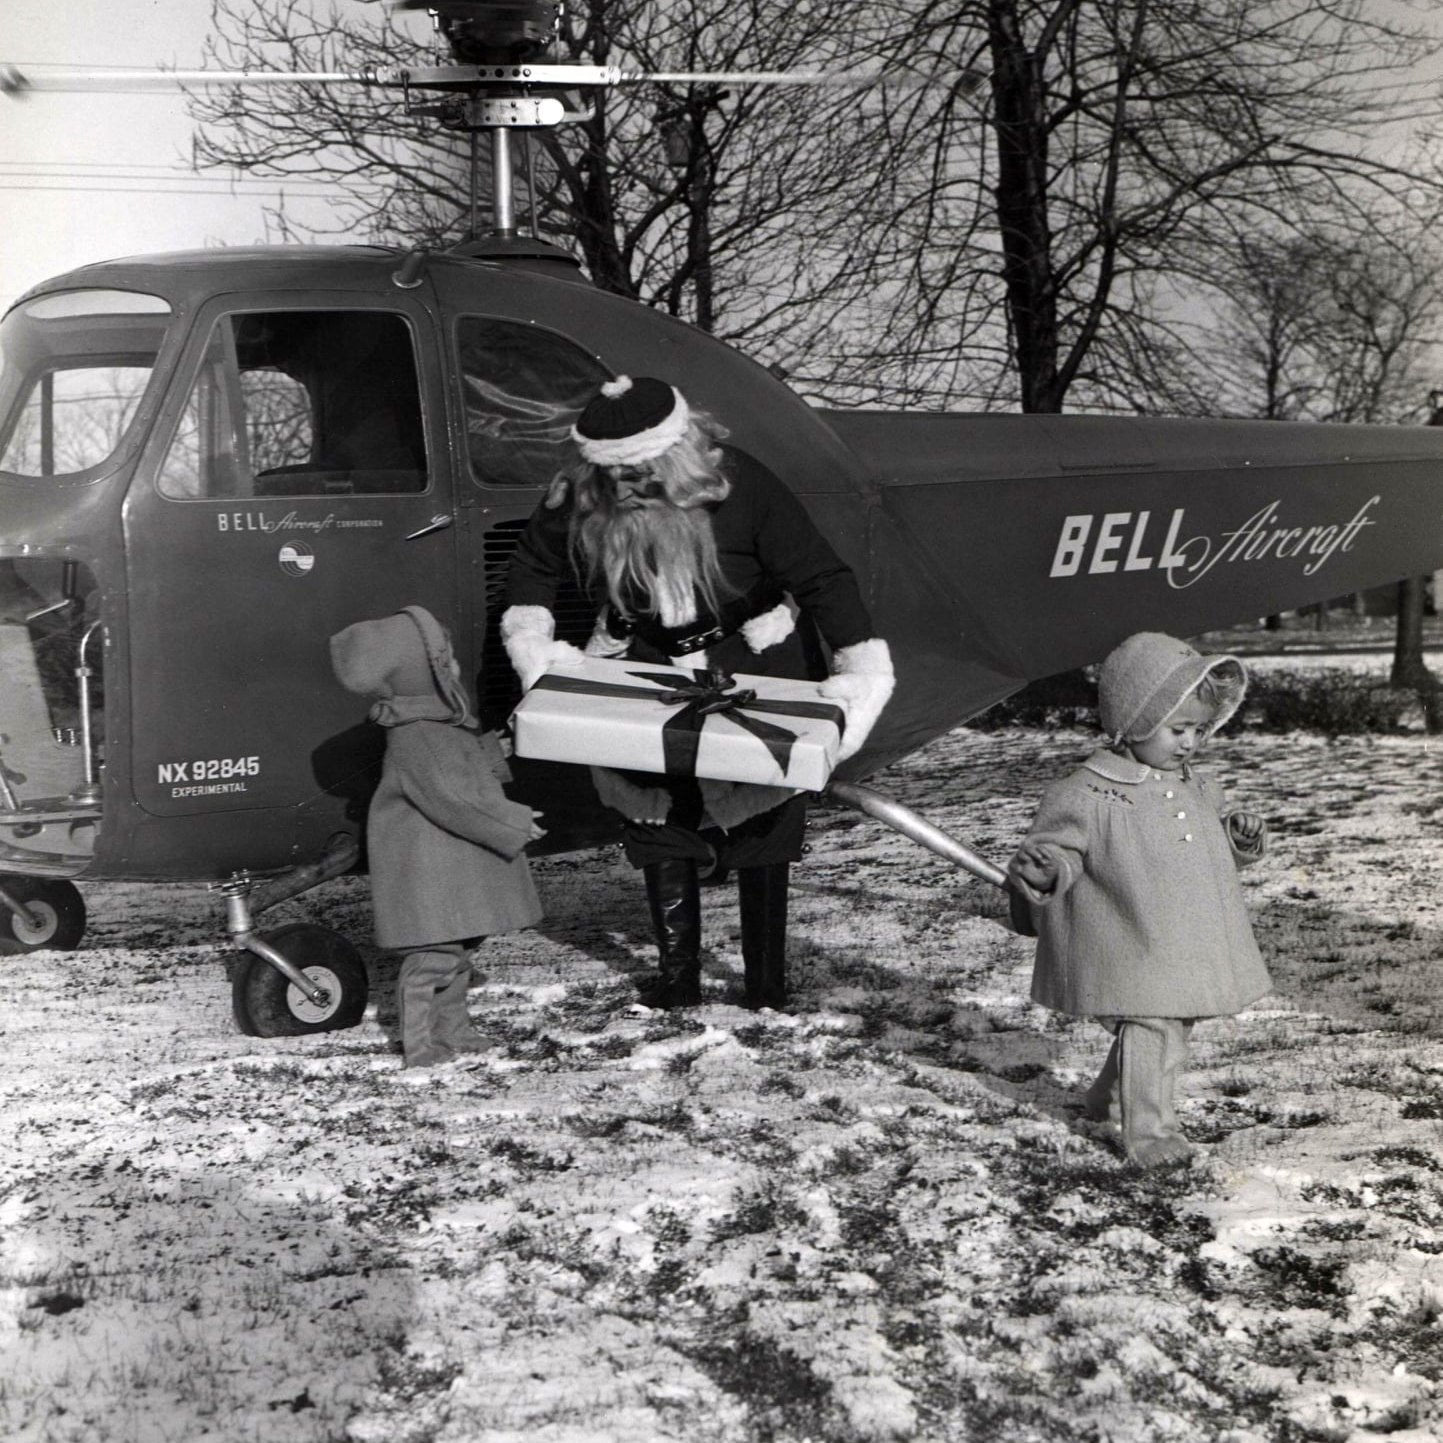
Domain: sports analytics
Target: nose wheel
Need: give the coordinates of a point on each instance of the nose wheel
(268, 1004)
(51, 915)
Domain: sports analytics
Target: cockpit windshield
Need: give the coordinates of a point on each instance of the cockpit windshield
(74, 366)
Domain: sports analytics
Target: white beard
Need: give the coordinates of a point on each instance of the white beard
(663, 552)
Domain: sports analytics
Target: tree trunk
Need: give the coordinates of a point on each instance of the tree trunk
(1409, 670)
(1020, 123)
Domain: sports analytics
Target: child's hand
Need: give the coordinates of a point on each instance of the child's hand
(1034, 867)
(537, 830)
(1247, 828)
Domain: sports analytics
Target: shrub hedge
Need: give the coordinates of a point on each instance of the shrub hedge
(1329, 701)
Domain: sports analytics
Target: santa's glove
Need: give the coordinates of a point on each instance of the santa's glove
(528, 633)
(862, 680)
(603, 643)
(770, 628)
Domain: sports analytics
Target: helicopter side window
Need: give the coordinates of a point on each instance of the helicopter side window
(301, 403)
(522, 388)
(74, 366)
(73, 419)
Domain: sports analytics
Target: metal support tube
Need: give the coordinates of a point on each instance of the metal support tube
(91, 789)
(8, 799)
(335, 861)
(903, 819)
(19, 909)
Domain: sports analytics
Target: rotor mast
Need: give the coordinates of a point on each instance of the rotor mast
(503, 206)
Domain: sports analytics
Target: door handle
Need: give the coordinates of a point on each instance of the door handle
(436, 523)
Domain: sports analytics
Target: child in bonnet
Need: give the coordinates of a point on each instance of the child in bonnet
(1130, 873)
(444, 841)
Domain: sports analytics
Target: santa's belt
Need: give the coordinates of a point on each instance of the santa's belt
(681, 640)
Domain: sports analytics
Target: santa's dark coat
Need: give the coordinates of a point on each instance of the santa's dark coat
(767, 545)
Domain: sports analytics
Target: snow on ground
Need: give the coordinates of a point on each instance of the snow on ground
(881, 1217)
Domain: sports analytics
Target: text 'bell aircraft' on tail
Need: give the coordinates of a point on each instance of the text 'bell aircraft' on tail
(211, 461)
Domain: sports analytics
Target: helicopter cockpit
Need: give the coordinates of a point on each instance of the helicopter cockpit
(75, 370)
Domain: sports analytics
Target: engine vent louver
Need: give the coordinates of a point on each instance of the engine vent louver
(498, 688)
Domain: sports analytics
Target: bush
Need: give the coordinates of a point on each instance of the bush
(1331, 702)
(1335, 703)
(1068, 699)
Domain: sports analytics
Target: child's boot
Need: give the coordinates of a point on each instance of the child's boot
(422, 975)
(1102, 1102)
(1153, 1049)
(452, 1022)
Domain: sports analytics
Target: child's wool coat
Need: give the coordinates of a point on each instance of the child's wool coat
(445, 842)
(1147, 918)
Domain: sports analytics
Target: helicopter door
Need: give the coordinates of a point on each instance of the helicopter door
(290, 494)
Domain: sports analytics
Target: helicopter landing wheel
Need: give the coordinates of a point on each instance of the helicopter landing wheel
(57, 916)
(267, 1004)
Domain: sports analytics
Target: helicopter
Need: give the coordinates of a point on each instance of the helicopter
(211, 461)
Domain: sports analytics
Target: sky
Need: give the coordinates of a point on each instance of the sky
(88, 177)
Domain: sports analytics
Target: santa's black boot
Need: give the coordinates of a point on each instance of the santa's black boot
(674, 893)
(762, 894)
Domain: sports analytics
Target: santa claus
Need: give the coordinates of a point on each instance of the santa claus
(697, 556)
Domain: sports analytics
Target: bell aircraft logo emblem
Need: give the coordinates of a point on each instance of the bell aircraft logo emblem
(297, 558)
(1122, 541)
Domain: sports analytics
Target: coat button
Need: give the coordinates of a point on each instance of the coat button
(1181, 815)
(1168, 795)
(1187, 836)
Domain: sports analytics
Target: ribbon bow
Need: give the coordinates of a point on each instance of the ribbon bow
(712, 693)
(701, 695)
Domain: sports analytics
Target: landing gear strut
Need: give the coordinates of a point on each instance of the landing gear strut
(298, 978)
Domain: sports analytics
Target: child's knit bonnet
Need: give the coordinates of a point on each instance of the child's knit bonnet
(405, 663)
(1149, 675)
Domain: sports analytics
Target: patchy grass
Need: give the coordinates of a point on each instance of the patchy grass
(882, 1217)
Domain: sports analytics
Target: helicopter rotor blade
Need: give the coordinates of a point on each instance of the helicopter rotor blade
(19, 82)
(478, 9)
(966, 79)
(61, 78)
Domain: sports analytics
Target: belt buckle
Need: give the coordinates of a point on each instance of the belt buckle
(685, 645)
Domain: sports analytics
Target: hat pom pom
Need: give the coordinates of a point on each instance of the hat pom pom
(619, 387)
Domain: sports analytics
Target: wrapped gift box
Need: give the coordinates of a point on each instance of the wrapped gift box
(680, 722)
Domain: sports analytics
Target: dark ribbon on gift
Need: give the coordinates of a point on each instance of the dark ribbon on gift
(701, 695)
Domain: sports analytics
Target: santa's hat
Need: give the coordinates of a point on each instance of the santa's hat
(630, 421)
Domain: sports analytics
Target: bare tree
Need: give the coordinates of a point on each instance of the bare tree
(1026, 246)
(1326, 327)
(1323, 327)
(762, 215)
(1133, 140)
(360, 140)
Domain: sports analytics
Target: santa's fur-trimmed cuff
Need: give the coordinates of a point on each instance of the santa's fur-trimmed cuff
(862, 680)
(528, 634)
(769, 628)
(636, 804)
